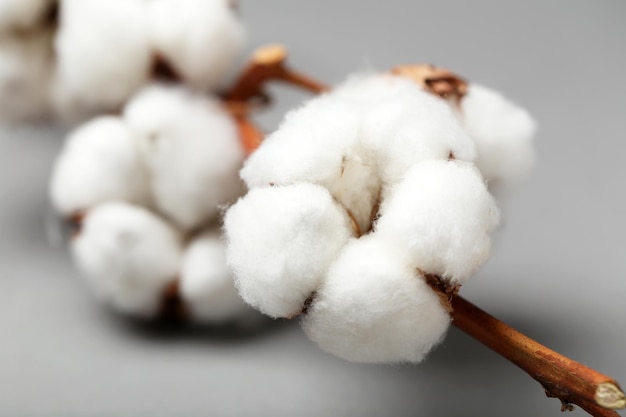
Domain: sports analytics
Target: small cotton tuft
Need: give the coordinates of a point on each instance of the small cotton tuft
(503, 133)
(443, 214)
(128, 256)
(200, 39)
(280, 243)
(191, 147)
(99, 163)
(374, 307)
(207, 286)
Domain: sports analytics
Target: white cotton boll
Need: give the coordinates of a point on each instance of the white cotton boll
(99, 163)
(128, 256)
(26, 62)
(206, 283)
(374, 307)
(503, 133)
(443, 214)
(280, 243)
(200, 39)
(319, 143)
(103, 52)
(23, 14)
(408, 125)
(191, 146)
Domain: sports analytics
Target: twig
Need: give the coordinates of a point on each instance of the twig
(268, 63)
(563, 378)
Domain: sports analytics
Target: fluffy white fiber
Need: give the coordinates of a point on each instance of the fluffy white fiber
(103, 52)
(503, 133)
(280, 243)
(22, 14)
(206, 285)
(319, 143)
(410, 125)
(99, 163)
(192, 149)
(374, 307)
(26, 63)
(443, 214)
(199, 38)
(128, 256)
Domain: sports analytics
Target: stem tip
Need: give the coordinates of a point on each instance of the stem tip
(609, 395)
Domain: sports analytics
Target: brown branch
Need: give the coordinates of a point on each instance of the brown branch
(268, 63)
(563, 378)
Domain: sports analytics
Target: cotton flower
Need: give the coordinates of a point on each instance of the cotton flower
(374, 307)
(140, 185)
(128, 256)
(398, 162)
(191, 148)
(281, 241)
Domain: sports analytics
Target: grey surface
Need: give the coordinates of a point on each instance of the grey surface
(557, 272)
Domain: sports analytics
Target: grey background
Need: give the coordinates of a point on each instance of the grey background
(557, 272)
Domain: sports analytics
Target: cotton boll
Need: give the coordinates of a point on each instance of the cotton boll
(207, 285)
(200, 39)
(409, 125)
(26, 63)
(103, 51)
(374, 307)
(443, 214)
(99, 163)
(23, 14)
(280, 243)
(192, 148)
(503, 133)
(128, 256)
(319, 143)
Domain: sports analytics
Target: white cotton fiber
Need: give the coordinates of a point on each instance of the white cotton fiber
(407, 125)
(206, 283)
(443, 214)
(26, 63)
(280, 243)
(503, 133)
(319, 143)
(200, 39)
(103, 52)
(374, 307)
(23, 14)
(98, 163)
(191, 146)
(128, 256)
